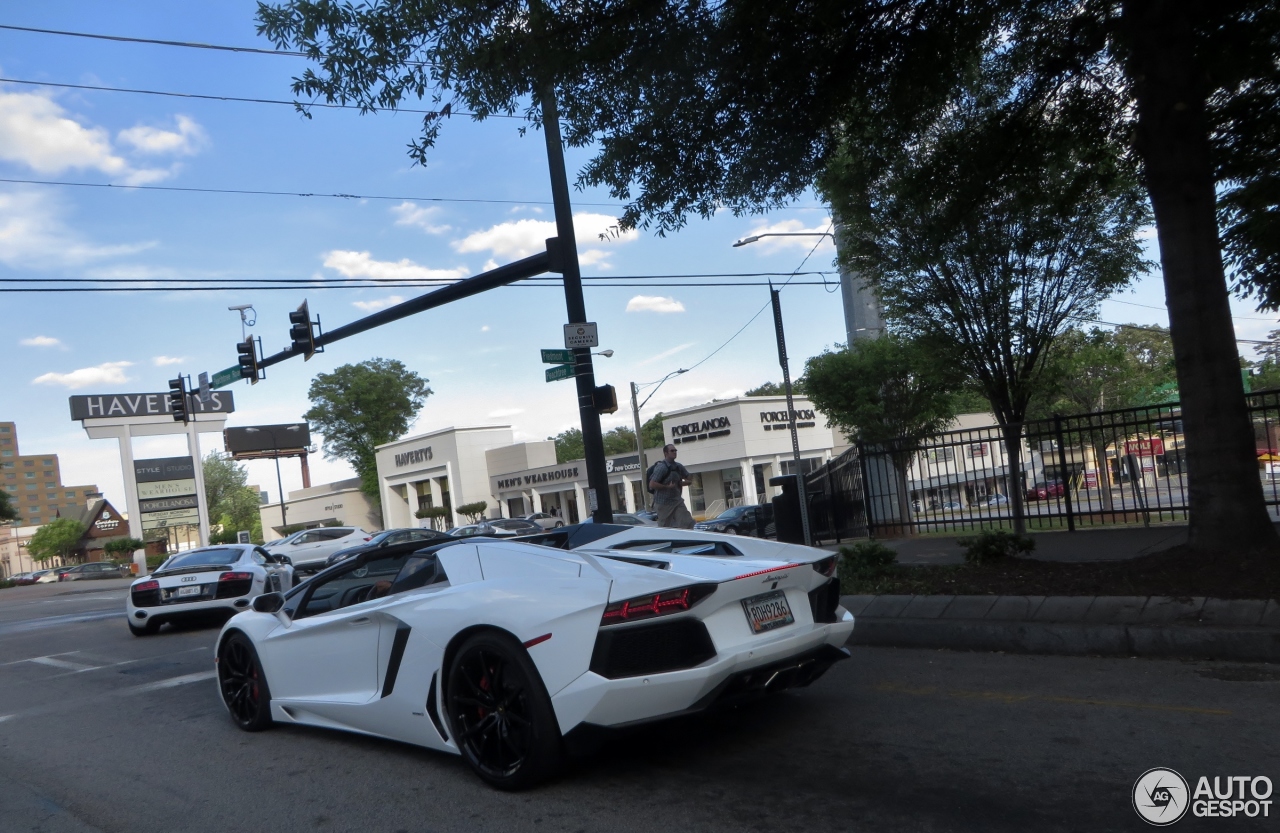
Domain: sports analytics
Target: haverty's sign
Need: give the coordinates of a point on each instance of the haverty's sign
(166, 492)
(114, 405)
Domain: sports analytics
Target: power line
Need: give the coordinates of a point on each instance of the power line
(263, 193)
(406, 285)
(154, 42)
(401, 281)
(205, 97)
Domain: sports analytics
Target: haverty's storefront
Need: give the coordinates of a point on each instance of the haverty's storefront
(444, 468)
(733, 447)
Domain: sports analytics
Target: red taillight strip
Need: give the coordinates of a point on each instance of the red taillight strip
(537, 640)
(770, 570)
(145, 586)
(235, 576)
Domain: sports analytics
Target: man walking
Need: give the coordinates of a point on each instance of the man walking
(666, 483)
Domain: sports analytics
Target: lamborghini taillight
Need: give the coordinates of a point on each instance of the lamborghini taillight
(826, 566)
(656, 604)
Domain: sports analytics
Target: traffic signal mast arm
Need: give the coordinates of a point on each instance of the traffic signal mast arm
(510, 273)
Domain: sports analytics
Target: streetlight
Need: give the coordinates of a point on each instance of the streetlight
(635, 413)
(744, 241)
(284, 521)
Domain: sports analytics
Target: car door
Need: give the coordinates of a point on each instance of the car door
(328, 653)
(304, 547)
(278, 575)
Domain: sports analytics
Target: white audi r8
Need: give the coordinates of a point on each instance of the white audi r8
(203, 583)
(506, 652)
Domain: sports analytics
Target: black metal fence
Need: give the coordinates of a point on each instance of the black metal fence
(1124, 466)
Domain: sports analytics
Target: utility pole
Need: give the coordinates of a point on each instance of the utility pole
(599, 506)
(644, 464)
(791, 413)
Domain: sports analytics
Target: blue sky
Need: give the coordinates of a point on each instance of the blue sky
(480, 355)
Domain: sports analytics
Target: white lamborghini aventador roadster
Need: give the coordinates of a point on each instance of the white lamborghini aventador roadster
(505, 651)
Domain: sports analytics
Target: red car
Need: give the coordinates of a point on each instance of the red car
(1044, 491)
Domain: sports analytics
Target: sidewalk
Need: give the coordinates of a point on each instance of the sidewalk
(1099, 544)
(1197, 628)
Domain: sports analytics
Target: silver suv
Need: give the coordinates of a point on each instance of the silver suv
(311, 548)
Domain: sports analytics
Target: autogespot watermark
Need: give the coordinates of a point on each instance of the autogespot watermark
(1161, 796)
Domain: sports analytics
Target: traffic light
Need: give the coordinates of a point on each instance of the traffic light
(605, 399)
(301, 332)
(248, 360)
(178, 399)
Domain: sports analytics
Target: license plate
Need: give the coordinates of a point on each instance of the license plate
(194, 590)
(768, 611)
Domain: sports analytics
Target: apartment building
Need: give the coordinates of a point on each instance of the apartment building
(34, 483)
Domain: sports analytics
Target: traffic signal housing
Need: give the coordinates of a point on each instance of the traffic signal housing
(248, 358)
(605, 398)
(302, 332)
(178, 399)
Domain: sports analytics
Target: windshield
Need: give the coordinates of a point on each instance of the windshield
(732, 513)
(203, 558)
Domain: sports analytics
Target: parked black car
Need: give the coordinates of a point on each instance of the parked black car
(386, 538)
(755, 520)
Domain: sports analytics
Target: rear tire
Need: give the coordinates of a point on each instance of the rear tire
(149, 629)
(243, 684)
(500, 714)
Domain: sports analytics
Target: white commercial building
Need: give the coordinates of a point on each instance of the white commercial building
(732, 448)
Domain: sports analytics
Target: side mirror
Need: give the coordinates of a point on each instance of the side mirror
(269, 602)
(284, 559)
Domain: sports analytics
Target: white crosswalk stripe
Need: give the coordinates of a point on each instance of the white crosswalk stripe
(172, 682)
(54, 662)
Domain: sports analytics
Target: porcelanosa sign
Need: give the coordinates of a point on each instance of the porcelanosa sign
(705, 430)
(111, 405)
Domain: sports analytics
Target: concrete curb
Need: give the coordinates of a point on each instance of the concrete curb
(1198, 628)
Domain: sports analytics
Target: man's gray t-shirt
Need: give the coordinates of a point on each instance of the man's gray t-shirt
(668, 474)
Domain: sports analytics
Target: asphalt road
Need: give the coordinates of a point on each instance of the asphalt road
(102, 731)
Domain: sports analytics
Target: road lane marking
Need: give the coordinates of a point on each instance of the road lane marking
(4, 717)
(172, 682)
(53, 662)
(1009, 698)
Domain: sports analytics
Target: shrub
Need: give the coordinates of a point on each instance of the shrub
(994, 545)
(867, 559)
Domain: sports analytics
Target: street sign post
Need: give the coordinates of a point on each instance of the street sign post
(560, 371)
(557, 357)
(225, 377)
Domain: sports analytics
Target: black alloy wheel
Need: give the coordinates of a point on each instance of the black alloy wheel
(243, 685)
(500, 713)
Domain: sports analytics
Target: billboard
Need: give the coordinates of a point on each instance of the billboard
(257, 439)
(166, 492)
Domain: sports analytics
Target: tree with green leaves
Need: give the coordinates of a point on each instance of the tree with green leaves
(888, 393)
(122, 549)
(569, 446)
(473, 512)
(768, 94)
(8, 512)
(59, 538)
(222, 476)
(989, 235)
(232, 504)
(358, 407)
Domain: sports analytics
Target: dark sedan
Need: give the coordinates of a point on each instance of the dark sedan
(385, 539)
(92, 570)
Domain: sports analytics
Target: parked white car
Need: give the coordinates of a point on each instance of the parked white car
(502, 651)
(310, 549)
(202, 583)
(544, 520)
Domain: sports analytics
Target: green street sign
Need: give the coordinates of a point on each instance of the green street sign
(557, 357)
(560, 371)
(225, 377)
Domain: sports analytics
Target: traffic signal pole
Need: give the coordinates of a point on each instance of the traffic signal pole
(598, 499)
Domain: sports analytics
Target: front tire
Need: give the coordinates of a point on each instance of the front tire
(243, 684)
(500, 713)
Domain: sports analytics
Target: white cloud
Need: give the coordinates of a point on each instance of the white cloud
(40, 341)
(505, 412)
(165, 361)
(521, 238)
(187, 140)
(665, 354)
(773, 245)
(33, 234)
(37, 132)
(362, 265)
(485, 328)
(654, 303)
(109, 373)
(532, 209)
(371, 306)
(409, 214)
